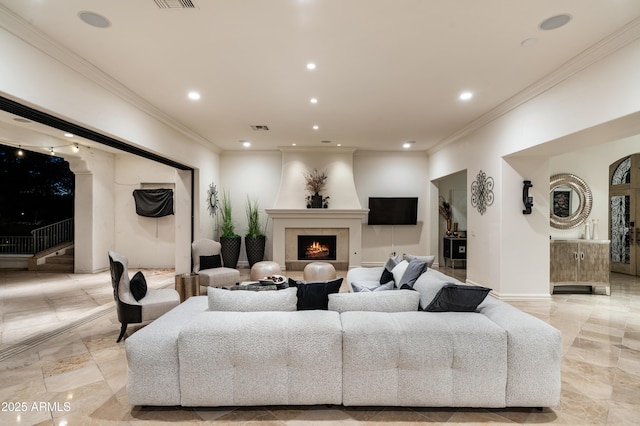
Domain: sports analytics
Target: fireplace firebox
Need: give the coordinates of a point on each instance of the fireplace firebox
(316, 247)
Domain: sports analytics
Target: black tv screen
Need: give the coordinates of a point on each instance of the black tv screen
(393, 210)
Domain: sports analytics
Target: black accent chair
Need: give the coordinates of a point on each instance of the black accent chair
(131, 311)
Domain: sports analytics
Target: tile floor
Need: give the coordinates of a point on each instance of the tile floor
(60, 364)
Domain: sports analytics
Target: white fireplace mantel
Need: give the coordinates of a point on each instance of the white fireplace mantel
(317, 218)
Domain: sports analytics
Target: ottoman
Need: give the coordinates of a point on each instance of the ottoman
(263, 269)
(319, 271)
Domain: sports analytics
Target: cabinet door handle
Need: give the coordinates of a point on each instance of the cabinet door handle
(575, 255)
(581, 255)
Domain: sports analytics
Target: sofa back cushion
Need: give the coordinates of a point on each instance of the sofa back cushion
(252, 301)
(375, 301)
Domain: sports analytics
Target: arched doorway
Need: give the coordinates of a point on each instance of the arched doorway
(624, 214)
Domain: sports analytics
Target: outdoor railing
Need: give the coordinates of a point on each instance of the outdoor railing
(16, 245)
(52, 235)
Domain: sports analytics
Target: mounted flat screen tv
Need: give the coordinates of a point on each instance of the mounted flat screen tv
(393, 210)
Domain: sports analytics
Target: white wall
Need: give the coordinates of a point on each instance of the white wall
(374, 173)
(503, 243)
(155, 235)
(393, 174)
(253, 174)
(38, 80)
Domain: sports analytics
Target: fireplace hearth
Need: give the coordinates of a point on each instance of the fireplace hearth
(316, 247)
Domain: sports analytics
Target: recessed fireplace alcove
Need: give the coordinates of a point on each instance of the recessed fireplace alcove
(344, 224)
(317, 247)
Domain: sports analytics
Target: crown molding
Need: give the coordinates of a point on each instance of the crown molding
(26, 32)
(605, 47)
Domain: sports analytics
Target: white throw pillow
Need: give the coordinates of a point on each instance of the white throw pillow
(375, 301)
(399, 270)
(252, 301)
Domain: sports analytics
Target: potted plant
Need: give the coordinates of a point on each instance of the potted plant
(229, 240)
(254, 240)
(315, 184)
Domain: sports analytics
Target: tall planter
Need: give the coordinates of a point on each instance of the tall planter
(255, 248)
(230, 251)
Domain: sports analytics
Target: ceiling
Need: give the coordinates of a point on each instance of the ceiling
(387, 72)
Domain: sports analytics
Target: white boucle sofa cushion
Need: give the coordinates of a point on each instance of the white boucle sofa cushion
(378, 301)
(252, 301)
(261, 358)
(423, 359)
(152, 356)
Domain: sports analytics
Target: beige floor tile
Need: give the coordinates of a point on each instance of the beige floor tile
(85, 367)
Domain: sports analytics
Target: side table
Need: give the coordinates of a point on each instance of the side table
(187, 285)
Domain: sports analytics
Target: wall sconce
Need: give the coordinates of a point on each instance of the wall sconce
(526, 199)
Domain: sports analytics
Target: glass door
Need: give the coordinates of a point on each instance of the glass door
(624, 209)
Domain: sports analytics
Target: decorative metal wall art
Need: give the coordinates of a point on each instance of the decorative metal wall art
(212, 199)
(482, 192)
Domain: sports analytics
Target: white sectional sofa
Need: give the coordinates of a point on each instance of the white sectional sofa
(372, 348)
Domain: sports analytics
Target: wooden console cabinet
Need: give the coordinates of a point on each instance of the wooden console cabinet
(580, 262)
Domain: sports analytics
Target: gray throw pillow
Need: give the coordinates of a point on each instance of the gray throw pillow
(415, 268)
(358, 288)
(426, 259)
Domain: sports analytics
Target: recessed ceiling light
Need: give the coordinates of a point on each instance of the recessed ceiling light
(68, 135)
(314, 100)
(294, 144)
(246, 144)
(316, 127)
(528, 42)
(94, 19)
(311, 66)
(555, 22)
(193, 95)
(408, 144)
(465, 96)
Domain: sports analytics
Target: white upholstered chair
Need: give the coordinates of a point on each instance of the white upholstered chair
(212, 277)
(131, 311)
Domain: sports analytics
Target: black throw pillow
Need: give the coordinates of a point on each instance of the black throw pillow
(209, 262)
(386, 276)
(386, 271)
(458, 298)
(138, 286)
(315, 295)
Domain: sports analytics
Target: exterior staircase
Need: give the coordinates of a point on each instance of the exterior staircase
(56, 259)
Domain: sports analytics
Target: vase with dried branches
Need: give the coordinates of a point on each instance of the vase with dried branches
(446, 213)
(315, 183)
